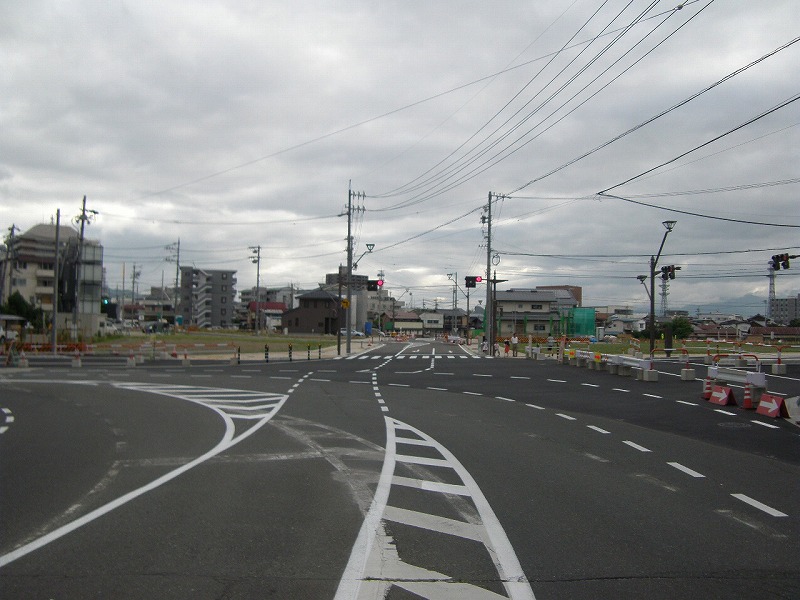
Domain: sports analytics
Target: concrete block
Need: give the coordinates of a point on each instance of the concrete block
(687, 374)
(779, 369)
(649, 375)
(636, 373)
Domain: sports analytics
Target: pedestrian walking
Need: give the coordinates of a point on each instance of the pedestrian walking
(508, 347)
(514, 344)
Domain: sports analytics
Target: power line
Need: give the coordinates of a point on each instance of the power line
(657, 116)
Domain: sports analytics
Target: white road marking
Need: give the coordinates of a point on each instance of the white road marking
(190, 394)
(375, 565)
(770, 425)
(597, 429)
(567, 417)
(652, 396)
(620, 390)
(686, 470)
(687, 403)
(506, 399)
(725, 412)
(536, 406)
(636, 446)
(437, 389)
(594, 385)
(756, 504)
(558, 380)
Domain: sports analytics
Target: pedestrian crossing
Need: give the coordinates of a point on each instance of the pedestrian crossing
(411, 356)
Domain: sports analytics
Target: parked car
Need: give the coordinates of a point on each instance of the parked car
(353, 333)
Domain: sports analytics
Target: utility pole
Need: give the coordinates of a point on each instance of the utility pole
(487, 314)
(86, 216)
(11, 259)
(176, 258)
(257, 260)
(349, 213)
(134, 277)
(54, 328)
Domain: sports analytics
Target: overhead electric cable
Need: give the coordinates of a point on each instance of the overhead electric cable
(658, 115)
(767, 112)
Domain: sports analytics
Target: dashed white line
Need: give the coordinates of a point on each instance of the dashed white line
(620, 390)
(567, 417)
(686, 470)
(594, 385)
(636, 446)
(519, 377)
(506, 399)
(473, 393)
(652, 396)
(597, 429)
(438, 389)
(756, 504)
(535, 406)
(725, 412)
(770, 425)
(687, 403)
(558, 380)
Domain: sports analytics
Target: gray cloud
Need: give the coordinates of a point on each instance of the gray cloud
(235, 123)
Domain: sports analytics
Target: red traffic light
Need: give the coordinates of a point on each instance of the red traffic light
(380, 283)
(478, 278)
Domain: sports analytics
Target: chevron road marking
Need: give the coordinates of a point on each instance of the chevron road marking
(375, 565)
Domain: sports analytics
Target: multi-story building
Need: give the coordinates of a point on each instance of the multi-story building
(785, 310)
(28, 267)
(320, 311)
(523, 311)
(207, 297)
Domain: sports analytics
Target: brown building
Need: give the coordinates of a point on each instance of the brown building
(319, 312)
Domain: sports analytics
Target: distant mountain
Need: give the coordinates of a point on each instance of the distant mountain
(746, 306)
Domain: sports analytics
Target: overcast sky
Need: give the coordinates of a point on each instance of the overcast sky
(233, 124)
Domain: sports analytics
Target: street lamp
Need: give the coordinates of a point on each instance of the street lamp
(669, 226)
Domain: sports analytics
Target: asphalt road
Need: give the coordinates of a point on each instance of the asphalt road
(410, 470)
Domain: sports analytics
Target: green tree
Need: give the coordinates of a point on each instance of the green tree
(681, 328)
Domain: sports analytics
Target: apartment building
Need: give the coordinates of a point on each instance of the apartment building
(207, 297)
(28, 266)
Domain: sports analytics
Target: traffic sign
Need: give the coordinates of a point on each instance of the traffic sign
(772, 406)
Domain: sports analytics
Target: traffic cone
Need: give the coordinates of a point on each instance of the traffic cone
(707, 389)
(747, 401)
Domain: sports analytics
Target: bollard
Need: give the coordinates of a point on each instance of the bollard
(320, 351)
(266, 353)
(239, 355)
(290, 353)
(309, 352)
